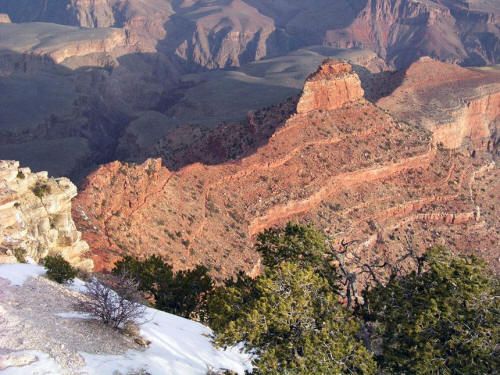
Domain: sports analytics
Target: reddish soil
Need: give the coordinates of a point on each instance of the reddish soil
(355, 171)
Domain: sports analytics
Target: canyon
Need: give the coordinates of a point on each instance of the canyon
(190, 129)
(229, 33)
(356, 169)
(120, 80)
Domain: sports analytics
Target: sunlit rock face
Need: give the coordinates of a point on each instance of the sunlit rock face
(333, 85)
(35, 215)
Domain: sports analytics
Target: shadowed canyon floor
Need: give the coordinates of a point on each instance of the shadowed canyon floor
(348, 166)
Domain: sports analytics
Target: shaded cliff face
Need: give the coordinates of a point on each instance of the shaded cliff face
(35, 215)
(68, 46)
(354, 171)
(70, 91)
(401, 31)
(228, 33)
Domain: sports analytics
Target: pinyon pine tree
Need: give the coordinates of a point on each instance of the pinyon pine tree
(294, 324)
(442, 321)
(303, 244)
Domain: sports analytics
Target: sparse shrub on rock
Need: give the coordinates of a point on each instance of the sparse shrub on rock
(116, 302)
(20, 254)
(59, 269)
(40, 189)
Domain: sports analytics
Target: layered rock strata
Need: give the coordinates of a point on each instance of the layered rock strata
(333, 85)
(218, 34)
(460, 106)
(35, 216)
(352, 169)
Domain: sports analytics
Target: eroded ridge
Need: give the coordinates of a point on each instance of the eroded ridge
(355, 171)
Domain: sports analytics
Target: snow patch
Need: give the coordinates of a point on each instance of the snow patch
(18, 273)
(74, 315)
(45, 365)
(178, 347)
(78, 285)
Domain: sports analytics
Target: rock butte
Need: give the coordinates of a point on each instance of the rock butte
(84, 75)
(40, 224)
(333, 85)
(351, 168)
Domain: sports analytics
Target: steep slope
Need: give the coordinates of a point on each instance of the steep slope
(218, 34)
(35, 216)
(68, 92)
(401, 31)
(42, 334)
(351, 168)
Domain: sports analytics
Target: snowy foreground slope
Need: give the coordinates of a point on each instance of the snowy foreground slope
(178, 346)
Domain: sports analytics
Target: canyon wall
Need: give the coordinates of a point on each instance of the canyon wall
(35, 216)
(476, 125)
(460, 106)
(221, 34)
(401, 31)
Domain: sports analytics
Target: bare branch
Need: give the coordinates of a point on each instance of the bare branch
(113, 307)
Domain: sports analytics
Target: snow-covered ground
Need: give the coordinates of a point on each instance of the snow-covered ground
(178, 346)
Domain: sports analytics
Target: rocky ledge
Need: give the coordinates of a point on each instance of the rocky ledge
(35, 216)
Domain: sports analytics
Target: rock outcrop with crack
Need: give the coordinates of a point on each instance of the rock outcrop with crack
(35, 216)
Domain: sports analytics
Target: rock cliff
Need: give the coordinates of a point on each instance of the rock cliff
(218, 34)
(401, 31)
(460, 106)
(333, 85)
(35, 216)
(350, 167)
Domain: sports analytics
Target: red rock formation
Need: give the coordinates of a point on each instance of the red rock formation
(354, 171)
(216, 34)
(460, 106)
(333, 85)
(401, 31)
